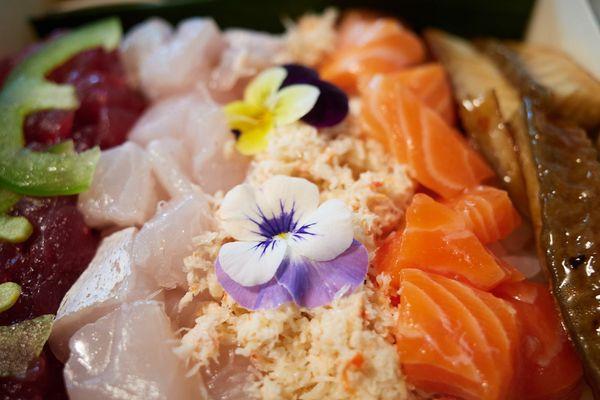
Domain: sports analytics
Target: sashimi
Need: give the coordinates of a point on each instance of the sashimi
(437, 155)
(123, 192)
(368, 46)
(430, 84)
(548, 365)
(128, 354)
(437, 239)
(454, 339)
(488, 211)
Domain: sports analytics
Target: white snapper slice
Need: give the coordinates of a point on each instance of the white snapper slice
(110, 280)
(127, 354)
(165, 240)
(123, 191)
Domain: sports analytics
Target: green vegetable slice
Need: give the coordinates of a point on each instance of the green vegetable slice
(26, 90)
(12, 229)
(9, 294)
(21, 343)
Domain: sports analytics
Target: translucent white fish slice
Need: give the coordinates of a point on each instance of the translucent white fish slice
(110, 280)
(216, 164)
(200, 124)
(127, 354)
(140, 42)
(186, 59)
(228, 378)
(165, 240)
(172, 167)
(246, 53)
(123, 191)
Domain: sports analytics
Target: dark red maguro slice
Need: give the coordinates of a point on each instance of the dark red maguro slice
(51, 260)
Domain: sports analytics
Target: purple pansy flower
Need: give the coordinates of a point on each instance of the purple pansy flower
(288, 247)
(332, 104)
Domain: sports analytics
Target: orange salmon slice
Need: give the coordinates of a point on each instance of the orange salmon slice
(548, 365)
(436, 239)
(488, 211)
(368, 46)
(453, 339)
(437, 155)
(430, 84)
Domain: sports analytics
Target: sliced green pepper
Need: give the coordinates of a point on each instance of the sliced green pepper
(9, 294)
(12, 229)
(26, 90)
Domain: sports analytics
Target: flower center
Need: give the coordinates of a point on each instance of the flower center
(283, 235)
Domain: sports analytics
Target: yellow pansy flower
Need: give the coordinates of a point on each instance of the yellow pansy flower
(266, 106)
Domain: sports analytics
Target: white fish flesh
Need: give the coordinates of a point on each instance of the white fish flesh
(127, 355)
(184, 60)
(110, 280)
(123, 191)
(165, 240)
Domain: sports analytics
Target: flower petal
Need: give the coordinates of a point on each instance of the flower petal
(266, 296)
(241, 115)
(289, 195)
(313, 283)
(238, 212)
(294, 102)
(297, 73)
(264, 86)
(254, 140)
(331, 107)
(252, 263)
(324, 234)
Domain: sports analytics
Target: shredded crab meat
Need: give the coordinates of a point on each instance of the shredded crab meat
(333, 352)
(313, 37)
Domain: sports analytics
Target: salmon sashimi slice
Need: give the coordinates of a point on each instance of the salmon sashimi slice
(368, 46)
(453, 339)
(548, 365)
(436, 239)
(430, 83)
(488, 211)
(437, 155)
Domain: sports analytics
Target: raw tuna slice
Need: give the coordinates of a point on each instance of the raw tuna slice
(110, 280)
(123, 191)
(167, 239)
(141, 42)
(184, 60)
(127, 354)
(201, 125)
(171, 164)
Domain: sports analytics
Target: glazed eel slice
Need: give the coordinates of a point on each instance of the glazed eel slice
(562, 178)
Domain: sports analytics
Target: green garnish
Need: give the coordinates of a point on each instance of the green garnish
(25, 91)
(60, 171)
(12, 229)
(23, 342)
(66, 147)
(9, 294)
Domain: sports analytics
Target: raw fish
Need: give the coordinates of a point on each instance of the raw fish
(201, 125)
(127, 354)
(246, 53)
(123, 191)
(171, 166)
(455, 339)
(165, 240)
(184, 60)
(141, 42)
(110, 280)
